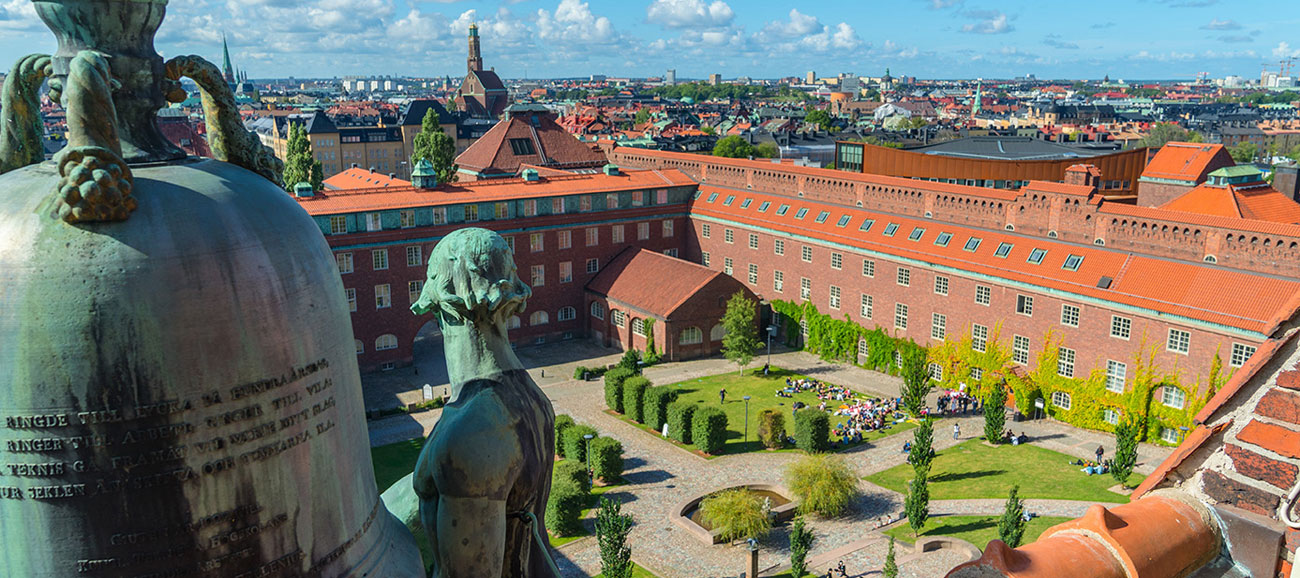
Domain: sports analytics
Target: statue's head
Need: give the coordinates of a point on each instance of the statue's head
(472, 278)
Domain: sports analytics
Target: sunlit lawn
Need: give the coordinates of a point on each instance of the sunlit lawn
(977, 530)
(975, 470)
(637, 572)
(762, 391)
(394, 461)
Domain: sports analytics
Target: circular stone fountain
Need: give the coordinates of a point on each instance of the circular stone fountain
(687, 514)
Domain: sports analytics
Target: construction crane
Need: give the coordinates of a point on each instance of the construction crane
(1284, 66)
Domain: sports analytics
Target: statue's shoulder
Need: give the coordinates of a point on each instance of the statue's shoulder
(474, 440)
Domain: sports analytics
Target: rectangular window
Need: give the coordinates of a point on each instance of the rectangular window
(979, 337)
(940, 285)
(557, 206)
(383, 296)
(727, 265)
(344, 261)
(753, 241)
(983, 294)
(539, 275)
(867, 308)
(352, 299)
(593, 265)
(900, 316)
(868, 268)
(440, 215)
(1173, 397)
(782, 210)
(778, 246)
(1065, 362)
(379, 259)
(413, 289)
(565, 239)
(584, 203)
(338, 225)
(905, 276)
(972, 244)
(727, 202)
(671, 252)
(1120, 327)
(822, 216)
(1072, 262)
(745, 204)
(537, 242)
(522, 146)
(935, 370)
(728, 236)
(1169, 435)
(916, 233)
(638, 198)
(616, 233)
(643, 231)
(566, 271)
(763, 207)
(844, 220)
(1110, 416)
(753, 274)
(837, 261)
(806, 254)
(835, 297)
(668, 228)
(661, 196)
(593, 236)
(938, 326)
(1036, 256)
(1020, 349)
(704, 258)
(1179, 341)
(801, 214)
(530, 208)
(414, 256)
(1116, 373)
(1070, 315)
(1240, 354)
(866, 225)
(977, 373)
(890, 229)
(713, 197)
(373, 222)
(1025, 305)
(943, 239)
(805, 288)
(1004, 249)
(778, 281)
(407, 218)
(471, 213)
(705, 230)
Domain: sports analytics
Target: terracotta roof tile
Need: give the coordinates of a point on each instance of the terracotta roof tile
(549, 142)
(651, 281)
(1183, 161)
(358, 178)
(1259, 202)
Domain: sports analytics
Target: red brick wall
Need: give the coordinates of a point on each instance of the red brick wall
(703, 310)
(1155, 194)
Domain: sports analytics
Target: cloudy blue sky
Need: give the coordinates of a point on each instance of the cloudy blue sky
(758, 38)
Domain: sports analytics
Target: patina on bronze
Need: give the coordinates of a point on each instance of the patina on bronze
(485, 472)
(179, 393)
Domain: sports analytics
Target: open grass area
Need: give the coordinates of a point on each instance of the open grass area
(393, 461)
(762, 391)
(637, 572)
(977, 530)
(975, 470)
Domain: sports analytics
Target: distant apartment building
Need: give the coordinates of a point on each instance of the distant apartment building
(715, 79)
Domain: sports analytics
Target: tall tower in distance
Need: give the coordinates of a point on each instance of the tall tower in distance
(475, 60)
(227, 71)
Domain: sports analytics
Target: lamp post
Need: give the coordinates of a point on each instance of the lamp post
(747, 418)
(753, 558)
(586, 449)
(771, 330)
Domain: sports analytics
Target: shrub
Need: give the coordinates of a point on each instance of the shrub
(606, 459)
(612, 528)
(801, 539)
(709, 429)
(580, 372)
(575, 447)
(812, 430)
(823, 483)
(631, 361)
(564, 507)
(1126, 435)
(679, 420)
(995, 413)
(562, 422)
(1011, 527)
(571, 470)
(633, 398)
(614, 379)
(771, 428)
(737, 513)
(655, 406)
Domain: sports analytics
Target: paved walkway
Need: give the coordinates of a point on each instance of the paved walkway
(661, 475)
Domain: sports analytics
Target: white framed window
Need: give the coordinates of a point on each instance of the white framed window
(385, 342)
(557, 206)
(510, 242)
(704, 258)
(566, 271)
(778, 246)
(338, 225)
(938, 326)
(1169, 435)
(1240, 354)
(668, 228)
(539, 318)
(1116, 375)
(691, 336)
(983, 294)
(597, 310)
(1061, 399)
(501, 210)
(753, 274)
(705, 230)
(440, 215)
(1020, 349)
(1173, 397)
(1025, 305)
(935, 370)
(414, 256)
(835, 297)
(900, 316)
(753, 241)
(407, 219)
(537, 242)
(862, 347)
(805, 253)
(638, 327)
(374, 222)
(1120, 327)
(379, 259)
(805, 288)
(979, 337)
(359, 345)
(867, 308)
(593, 236)
(383, 296)
(471, 213)
(1065, 362)
(727, 265)
(593, 265)
(778, 281)
(940, 285)
(868, 268)
(584, 203)
(352, 299)
(618, 317)
(977, 373)
(611, 201)
(837, 261)
(1069, 315)
(567, 313)
(539, 275)
(616, 233)
(564, 239)
(530, 208)
(643, 231)
(728, 236)
(904, 276)
(513, 322)
(413, 290)
(344, 261)
(1110, 416)
(1179, 341)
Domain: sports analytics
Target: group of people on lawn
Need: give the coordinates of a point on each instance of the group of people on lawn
(824, 391)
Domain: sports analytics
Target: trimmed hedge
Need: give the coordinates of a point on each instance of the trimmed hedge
(709, 429)
(614, 379)
(812, 430)
(564, 507)
(633, 395)
(562, 422)
(679, 420)
(655, 406)
(575, 447)
(572, 471)
(606, 459)
(771, 428)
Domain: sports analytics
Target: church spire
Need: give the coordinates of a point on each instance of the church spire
(475, 61)
(227, 71)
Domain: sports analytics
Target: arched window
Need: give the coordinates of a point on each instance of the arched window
(567, 314)
(717, 333)
(386, 342)
(597, 310)
(539, 318)
(361, 347)
(638, 326)
(691, 336)
(513, 322)
(1061, 399)
(618, 317)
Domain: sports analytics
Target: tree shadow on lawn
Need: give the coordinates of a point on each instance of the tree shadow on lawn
(957, 476)
(972, 526)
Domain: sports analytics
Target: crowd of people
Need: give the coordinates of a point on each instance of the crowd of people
(865, 416)
(824, 391)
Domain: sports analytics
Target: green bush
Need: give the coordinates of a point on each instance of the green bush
(655, 406)
(606, 459)
(564, 507)
(738, 513)
(812, 430)
(633, 395)
(631, 360)
(614, 379)
(575, 447)
(709, 429)
(679, 420)
(823, 483)
(771, 428)
(562, 422)
(570, 470)
(580, 372)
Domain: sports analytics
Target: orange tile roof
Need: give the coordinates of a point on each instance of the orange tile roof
(358, 200)
(1259, 202)
(651, 281)
(1182, 161)
(358, 178)
(1234, 224)
(1232, 298)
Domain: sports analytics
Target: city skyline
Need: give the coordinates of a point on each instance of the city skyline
(1163, 39)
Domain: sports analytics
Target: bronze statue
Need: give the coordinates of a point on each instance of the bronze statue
(485, 472)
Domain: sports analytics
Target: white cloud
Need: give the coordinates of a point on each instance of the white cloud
(19, 15)
(799, 24)
(1283, 50)
(989, 23)
(841, 37)
(689, 13)
(574, 23)
(805, 32)
(1217, 24)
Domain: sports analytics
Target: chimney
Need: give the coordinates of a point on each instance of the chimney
(372, 169)
(303, 190)
(611, 170)
(531, 175)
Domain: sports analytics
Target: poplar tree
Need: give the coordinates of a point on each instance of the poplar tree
(740, 344)
(612, 527)
(1126, 446)
(433, 144)
(1011, 528)
(916, 381)
(995, 413)
(299, 164)
(801, 539)
(891, 566)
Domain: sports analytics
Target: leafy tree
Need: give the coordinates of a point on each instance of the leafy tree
(891, 566)
(820, 118)
(1166, 132)
(916, 381)
(434, 145)
(916, 122)
(771, 428)
(1244, 152)
(740, 344)
(733, 147)
(708, 130)
(299, 164)
(1126, 446)
(631, 361)
(1295, 154)
(612, 528)
(995, 413)
(801, 539)
(642, 117)
(1011, 528)
(652, 355)
(823, 483)
(738, 513)
(767, 150)
(922, 451)
(917, 504)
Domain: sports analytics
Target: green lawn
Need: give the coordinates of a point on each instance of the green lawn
(637, 572)
(974, 470)
(762, 391)
(394, 461)
(977, 530)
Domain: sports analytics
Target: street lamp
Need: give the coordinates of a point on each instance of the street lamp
(771, 330)
(747, 418)
(753, 558)
(587, 450)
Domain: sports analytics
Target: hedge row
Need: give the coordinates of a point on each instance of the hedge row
(812, 430)
(570, 479)
(570, 492)
(562, 422)
(654, 406)
(709, 429)
(771, 428)
(679, 420)
(575, 444)
(633, 394)
(614, 379)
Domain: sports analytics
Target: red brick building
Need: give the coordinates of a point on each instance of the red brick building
(1177, 168)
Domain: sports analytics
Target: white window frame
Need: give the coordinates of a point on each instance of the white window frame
(1062, 400)
(1241, 353)
(904, 277)
(1116, 376)
(938, 326)
(1025, 305)
(835, 297)
(805, 288)
(383, 296)
(1173, 397)
(1179, 341)
(379, 259)
(983, 295)
(867, 306)
(1065, 362)
(1121, 327)
(869, 268)
(344, 262)
(1070, 315)
(1020, 349)
(900, 316)
(414, 255)
(979, 337)
(940, 285)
